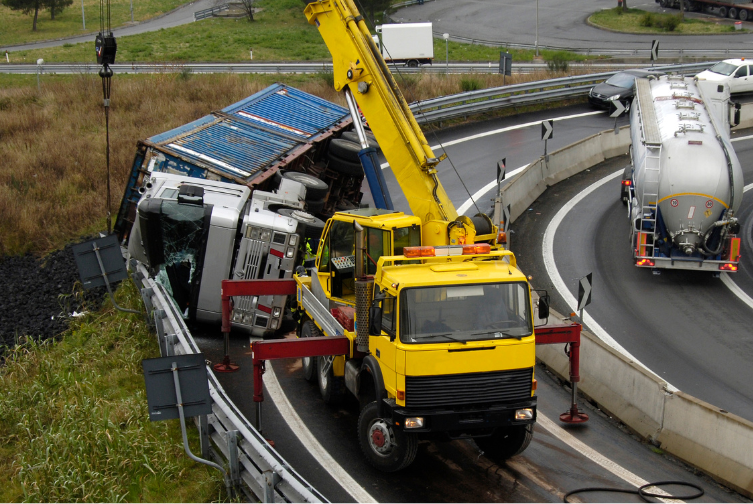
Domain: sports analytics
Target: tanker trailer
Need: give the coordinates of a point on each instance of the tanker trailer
(684, 181)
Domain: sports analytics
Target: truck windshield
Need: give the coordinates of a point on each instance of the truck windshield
(723, 68)
(465, 313)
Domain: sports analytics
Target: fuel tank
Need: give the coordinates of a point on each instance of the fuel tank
(682, 158)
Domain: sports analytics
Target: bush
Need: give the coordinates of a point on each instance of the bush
(469, 84)
(557, 62)
(669, 23)
(647, 20)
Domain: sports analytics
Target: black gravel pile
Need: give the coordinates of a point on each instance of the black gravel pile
(38, 295)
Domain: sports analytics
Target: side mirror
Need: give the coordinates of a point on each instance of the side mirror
(375, 320)
(544, 306)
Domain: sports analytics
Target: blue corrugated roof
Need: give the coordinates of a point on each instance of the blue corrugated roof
(261, 129)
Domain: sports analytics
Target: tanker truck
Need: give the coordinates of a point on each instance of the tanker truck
(684, 183)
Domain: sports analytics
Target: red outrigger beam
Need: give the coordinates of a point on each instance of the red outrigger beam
(232, 288)
(570, 334)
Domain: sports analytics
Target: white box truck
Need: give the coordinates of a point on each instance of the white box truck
(408, 43)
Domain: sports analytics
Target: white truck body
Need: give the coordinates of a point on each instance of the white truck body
(234, 237)
(686, 181)
(409, 43)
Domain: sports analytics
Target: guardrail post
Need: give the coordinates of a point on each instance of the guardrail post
(271, 479)
(204, 437)
(231, 437)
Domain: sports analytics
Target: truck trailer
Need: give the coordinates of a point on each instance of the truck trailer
(408, 43)
(684, 184)
(733, 9)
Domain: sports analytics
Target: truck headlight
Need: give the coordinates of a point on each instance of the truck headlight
(524, 414)
(414, 422)
(276, 312)
(293, 240)
(266, 234)
(290, 253)
(274, 324)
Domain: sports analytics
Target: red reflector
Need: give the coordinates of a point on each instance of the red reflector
(728, 267)
(418, 251)
(276, 252)
(644, 262)
(264, 309)
(625, 182)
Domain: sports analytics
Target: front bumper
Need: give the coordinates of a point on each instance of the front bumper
(456, 422)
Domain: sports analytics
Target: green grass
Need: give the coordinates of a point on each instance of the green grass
(633, 21)
(74, 422)
(280, 32)
(16, 27)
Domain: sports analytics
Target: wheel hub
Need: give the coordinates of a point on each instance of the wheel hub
(380, 437)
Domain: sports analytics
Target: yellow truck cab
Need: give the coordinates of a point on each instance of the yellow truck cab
(448, 347)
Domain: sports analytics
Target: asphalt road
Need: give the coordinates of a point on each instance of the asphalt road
(561, 23)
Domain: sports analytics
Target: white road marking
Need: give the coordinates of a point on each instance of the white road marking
(595, 456)
(488, 187)
(559, 284)
(727, 279)
(309, 441)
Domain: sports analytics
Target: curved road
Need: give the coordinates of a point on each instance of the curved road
(320, 441)
(562, 23)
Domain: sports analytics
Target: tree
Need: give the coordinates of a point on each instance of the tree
(624, 6)
(26, 7)
(57, 6)
(374, 6)
(248, 8)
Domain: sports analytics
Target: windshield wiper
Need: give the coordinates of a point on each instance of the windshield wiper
(506, 335)
(443, 335)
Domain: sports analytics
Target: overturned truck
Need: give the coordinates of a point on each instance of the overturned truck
(240, 194)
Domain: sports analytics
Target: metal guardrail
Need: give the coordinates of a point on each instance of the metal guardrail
(484, 100)
(207, 13)
(254, 466)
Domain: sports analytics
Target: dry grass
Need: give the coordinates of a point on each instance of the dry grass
(52, 142)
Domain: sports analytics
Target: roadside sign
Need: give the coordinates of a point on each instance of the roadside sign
(547, 129)
(654, 50)
(584, 291)
(505, 63)
(616, 108)
(501, 167)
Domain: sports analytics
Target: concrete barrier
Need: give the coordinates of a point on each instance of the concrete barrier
(716, 442)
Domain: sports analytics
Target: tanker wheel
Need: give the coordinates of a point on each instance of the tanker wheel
(331, 387)
(309, 330)
(743, 15)
(385, 448)
(506, 442)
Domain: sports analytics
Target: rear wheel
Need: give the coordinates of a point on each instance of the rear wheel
(316, 189)
(412, 63)
(506, 442)
(331, 387)
(309, 330)
(345, 149)
(732, 13)
(663, 4)
(743, 15)
(723, 12)
(385, 448)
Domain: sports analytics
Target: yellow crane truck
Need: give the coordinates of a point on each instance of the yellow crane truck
(436, 318)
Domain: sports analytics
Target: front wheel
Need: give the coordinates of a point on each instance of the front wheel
(506, 442)
(385, 448)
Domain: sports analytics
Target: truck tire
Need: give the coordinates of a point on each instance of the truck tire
(316, 189)
(309, 364)
(506, 442)
(331, 387)
(352, 136)
(313, 226)
(345, 149)
(723, 12)
(732, 13)
(663, 4)
(743, 15)
(385, 448)
(315, 207)
(345, 167)
(412, 63)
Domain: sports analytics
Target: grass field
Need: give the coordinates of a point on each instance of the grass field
(280, 32)
(16, 27)
(75, 426)
(639, 21)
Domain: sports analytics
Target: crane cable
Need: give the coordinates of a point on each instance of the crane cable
(421, 112)
(105, 48)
